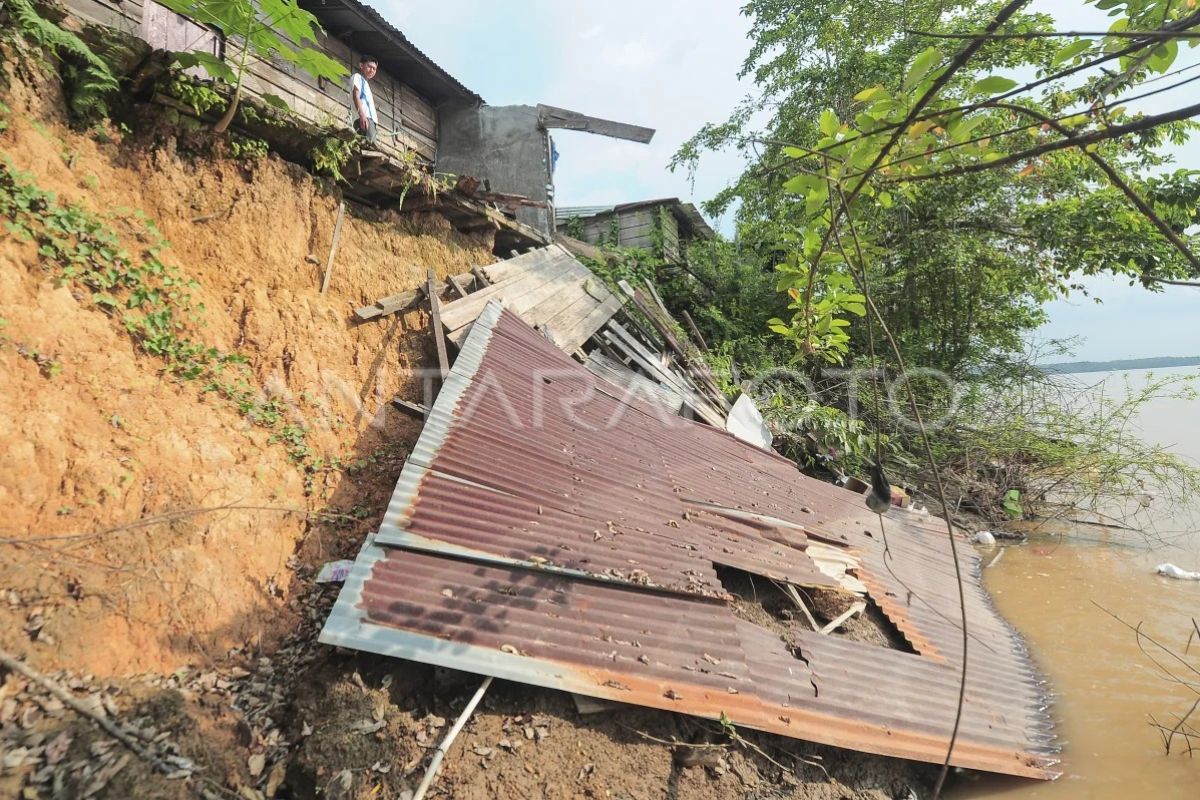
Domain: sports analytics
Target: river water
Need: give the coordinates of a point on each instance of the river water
(1055, 589)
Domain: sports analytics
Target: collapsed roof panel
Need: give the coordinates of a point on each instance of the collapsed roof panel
(547, 532)
(548, 288)
(371, 33)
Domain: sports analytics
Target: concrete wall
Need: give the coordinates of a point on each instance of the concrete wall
(505, 147)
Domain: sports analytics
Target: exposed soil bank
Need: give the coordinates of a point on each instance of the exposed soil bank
(197, 628)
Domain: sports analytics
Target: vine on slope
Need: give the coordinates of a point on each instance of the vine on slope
(152, 300)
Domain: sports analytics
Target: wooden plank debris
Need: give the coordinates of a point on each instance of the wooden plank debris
(836, 622)
(458, 287)
(656, 313)
(554, 117)
(627, 383)
(333, 246)
(694, 330)
(405, 300)
(548, 288)
(408, 407)
(435, 312)
(631, 348)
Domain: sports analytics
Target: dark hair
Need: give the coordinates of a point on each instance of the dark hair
(366, 59)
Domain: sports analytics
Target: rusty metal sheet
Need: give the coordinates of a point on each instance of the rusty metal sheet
(547, 532)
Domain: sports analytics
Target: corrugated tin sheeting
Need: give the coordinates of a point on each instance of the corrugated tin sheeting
(550, 530)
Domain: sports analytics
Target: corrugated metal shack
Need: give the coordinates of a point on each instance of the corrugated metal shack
(664, 226)
(554, 529)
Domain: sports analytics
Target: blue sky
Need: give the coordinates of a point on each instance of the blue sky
(672, 65)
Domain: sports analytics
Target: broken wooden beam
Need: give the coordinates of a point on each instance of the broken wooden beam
(435, 313)
(337, 235)
(409, 407)
(554, 117)
(458, 287)
(693, 330)
(405, 300)
(854, 609)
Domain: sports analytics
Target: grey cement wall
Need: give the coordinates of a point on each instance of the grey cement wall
(504, 146)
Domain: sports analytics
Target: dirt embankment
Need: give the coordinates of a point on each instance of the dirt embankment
(194, 630)
(94, 435)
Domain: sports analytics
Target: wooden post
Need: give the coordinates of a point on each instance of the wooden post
(694, 330)
(457, 286)
(435, 314)
(333, 246)
(479, 276)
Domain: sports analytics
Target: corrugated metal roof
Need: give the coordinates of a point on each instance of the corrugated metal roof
(345, 18)
(547, 532)
(688, 211)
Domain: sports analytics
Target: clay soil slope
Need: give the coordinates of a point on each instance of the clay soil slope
(160, 538)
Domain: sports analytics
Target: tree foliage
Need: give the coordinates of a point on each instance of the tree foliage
(960, 258)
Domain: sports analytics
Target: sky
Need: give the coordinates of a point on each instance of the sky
(672, 65)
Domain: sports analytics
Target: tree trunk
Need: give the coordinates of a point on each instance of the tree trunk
(227, 118)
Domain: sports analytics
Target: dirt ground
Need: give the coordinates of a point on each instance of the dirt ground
(157, 550)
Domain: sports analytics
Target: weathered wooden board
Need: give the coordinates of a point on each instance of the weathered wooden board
(547, 288)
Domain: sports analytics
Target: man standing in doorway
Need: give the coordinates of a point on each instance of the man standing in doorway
(362, 102)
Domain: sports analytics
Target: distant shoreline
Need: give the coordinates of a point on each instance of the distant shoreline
(1118, 365)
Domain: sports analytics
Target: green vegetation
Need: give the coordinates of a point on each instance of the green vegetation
(262, 29)
(245, 148)
(201, 97)
(152, 300)
(89, 80)
(909, 205)
(332, 153)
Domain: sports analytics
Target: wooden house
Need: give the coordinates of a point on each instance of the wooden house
(409, 88)
(505, 153)
(664, 226)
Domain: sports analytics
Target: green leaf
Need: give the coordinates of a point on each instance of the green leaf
(829, 122)
(960, 129)
(921, 66)
(214, 66)
(1012, 504)
(1163, 56)
(816, 200)
(801, 184)
(1069, 51)
(870, 94)
(275, 101)
(885, 199)
(993, 84)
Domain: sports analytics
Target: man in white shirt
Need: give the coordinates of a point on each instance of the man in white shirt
(362, 102)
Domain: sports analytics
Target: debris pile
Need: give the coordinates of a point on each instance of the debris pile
(550, 531)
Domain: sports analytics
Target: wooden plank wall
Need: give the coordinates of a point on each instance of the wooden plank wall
(399, 108)
(637, 227)
(669, 226)
(125, 15)
(598, 230)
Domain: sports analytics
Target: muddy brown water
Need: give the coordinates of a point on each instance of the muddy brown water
(1106, 689)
